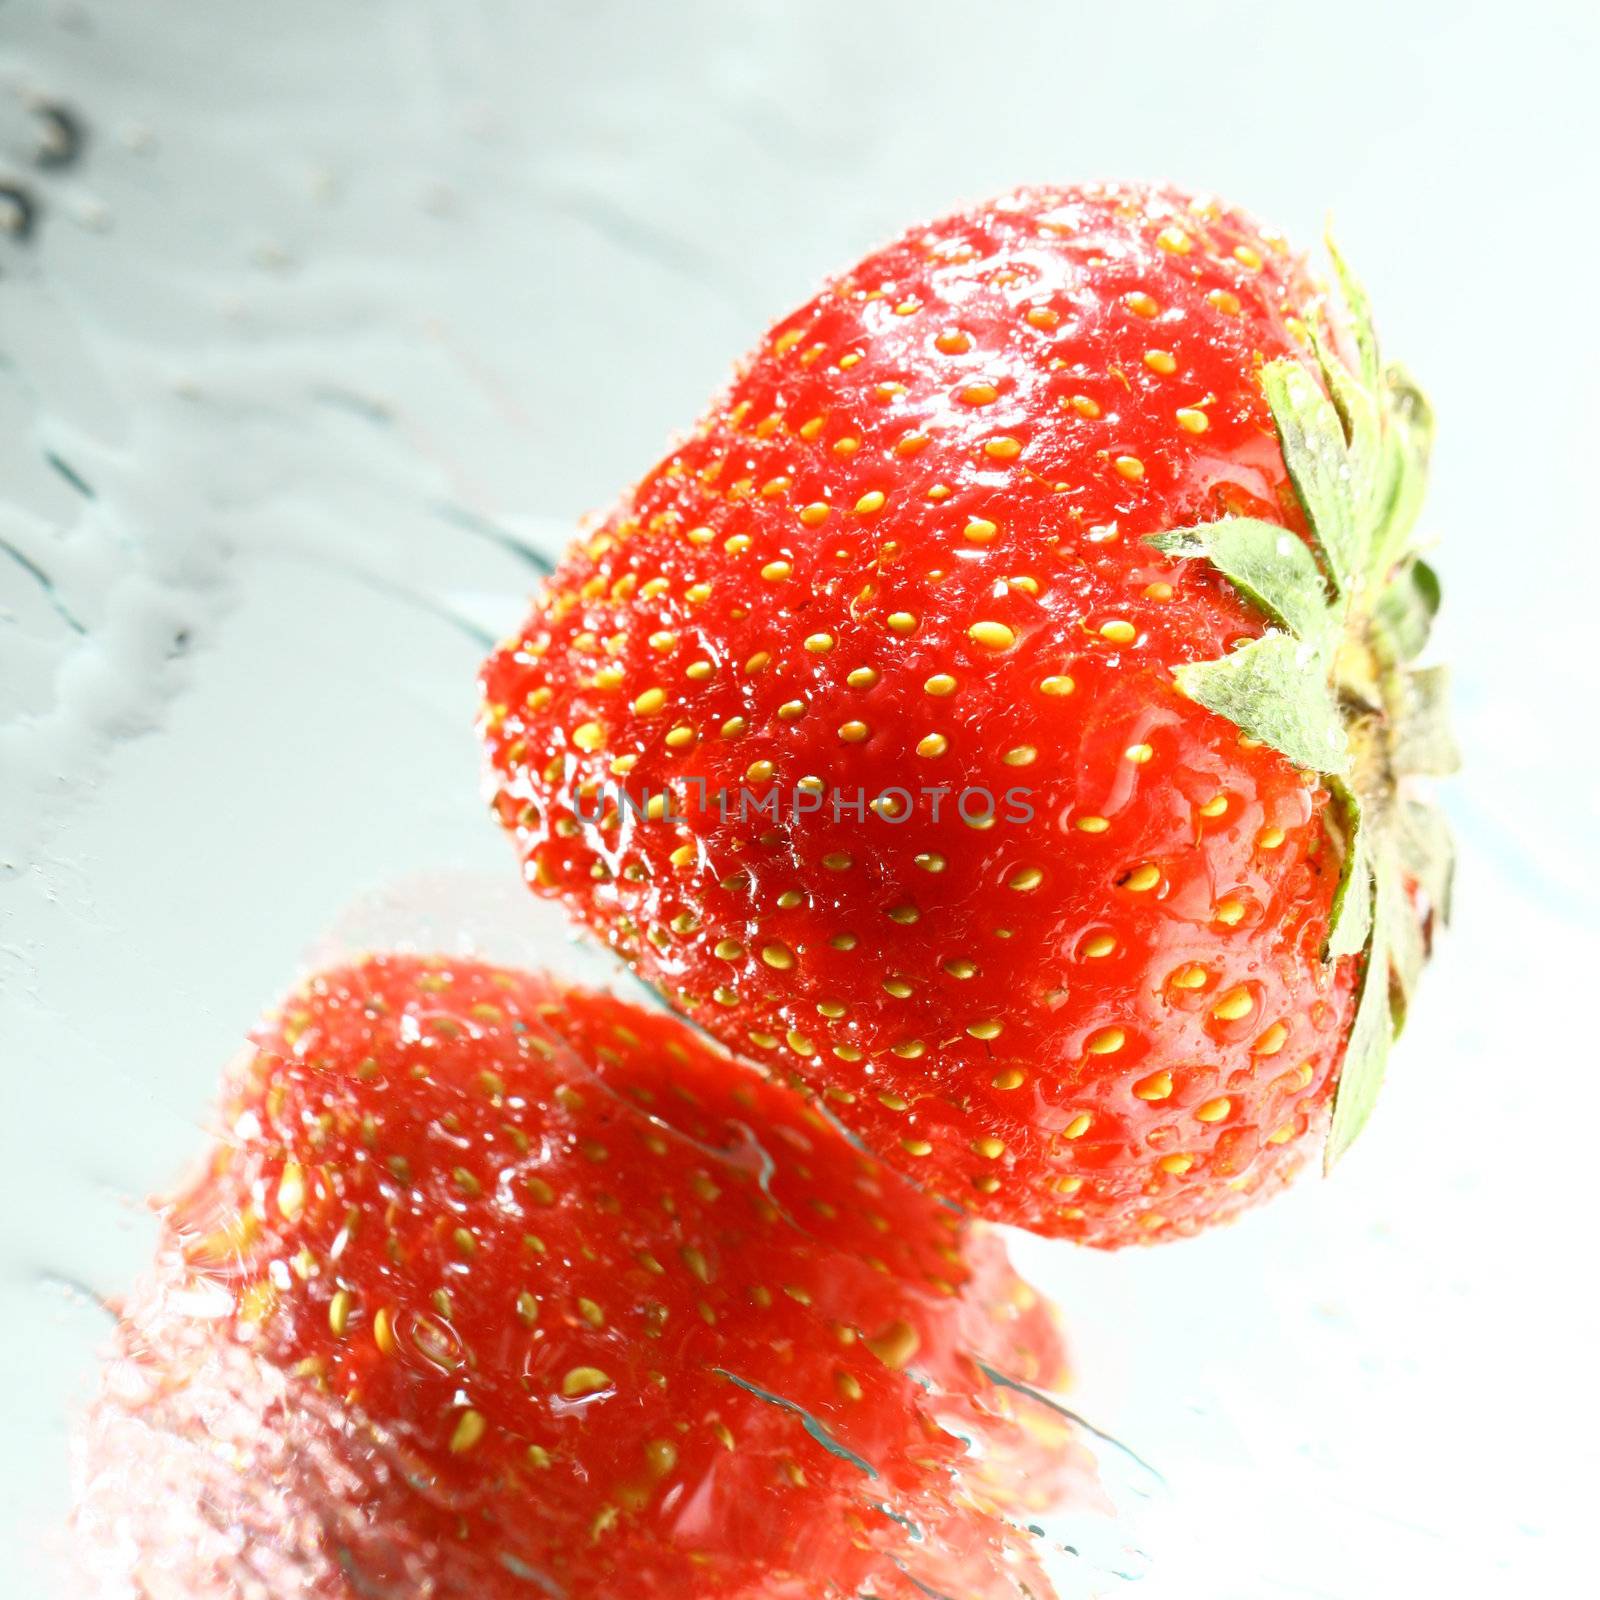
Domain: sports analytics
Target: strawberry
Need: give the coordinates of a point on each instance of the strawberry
(494, 1288)
(1073, 533)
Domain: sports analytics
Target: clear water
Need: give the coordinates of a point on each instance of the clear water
(337, 316)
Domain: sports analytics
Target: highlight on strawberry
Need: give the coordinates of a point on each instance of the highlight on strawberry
(999, 714)
(492, 1287)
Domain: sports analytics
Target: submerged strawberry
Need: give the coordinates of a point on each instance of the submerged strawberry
(1020, 645)
(494, 1289)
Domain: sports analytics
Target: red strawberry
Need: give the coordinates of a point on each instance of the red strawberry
(911, 549)
(495, 1289)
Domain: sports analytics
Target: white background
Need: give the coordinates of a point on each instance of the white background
(339, 295)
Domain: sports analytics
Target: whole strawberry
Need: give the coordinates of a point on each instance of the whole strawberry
(996, 714)
(495, 1289)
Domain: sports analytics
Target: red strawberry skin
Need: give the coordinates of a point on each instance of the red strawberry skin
(904, 550)
(490, 1280)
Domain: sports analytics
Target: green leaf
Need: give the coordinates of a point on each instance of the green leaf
(1408, 445)
(1362, 422)
(1404, 940)
(1270, 566)
(1367, 1049)
(1427, 852)
(1423, 742)
(1312, 437)
(1276, 689)
(1404, 611)
(1360, 314)
(1350, 920)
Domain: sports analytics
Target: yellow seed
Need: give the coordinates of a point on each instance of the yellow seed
(1192, 420)
(953, 342)
(734, 727)
(979, 531)
(960, 967)
(979, 394)
(1022, 755)
(902, 622)
(915, 1147)
(815, 514)
(990, 1029)
(1141, 304)
(1041, 317)
(776, 571)
(1161, 361)
(1190, 977)
(791, 710)
(895, 1345)
(854, 732)
(1270, 838)
(383, 1331)
(527, 1308)
(759, 771)
(539, 1457)
(1058, 683)
(910, 1049)
(1028, 878)
(1234, 1004)
(1229, 913)
(862, 677)
(992, 635)
(1157, 1086)
(339, 1313)
(939, 685)
(1250, 258)
(1281, 1135)
(778, 955)
(1176, 1165)
(1003, 448)
(591, 1313)
(759, 662)
(1143, 878)
(1102, 944)
(1077, 1127)
(662, 1456)
(589, 736)
(819, 644)
(470, 1428)
(930, 861)
(1106, 1042)
(728, 950)
(989, 1147)
(1214, 1110)
(1175, 241)
(1091, 824)
(650, 702)
(1138, 754)
(292, 1191)
(1118, 632)
(1009, 1078)
(1130, 467)
(934, 744)
(1084, 406)
(1225, 302)
(681, 737)
(871, 501)
(698, 671)
(584, 1380)
(1272, 1041)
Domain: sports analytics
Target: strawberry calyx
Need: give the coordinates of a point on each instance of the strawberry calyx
(1330, 684)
